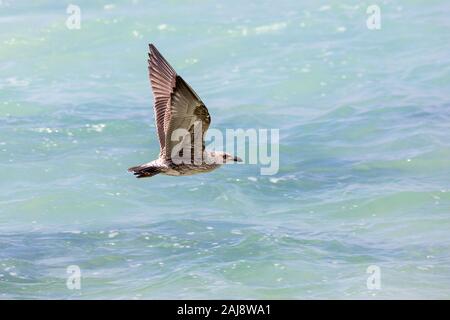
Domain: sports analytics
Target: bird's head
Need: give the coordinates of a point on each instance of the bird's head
(222, 157)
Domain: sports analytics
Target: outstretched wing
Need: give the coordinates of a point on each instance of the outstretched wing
(185, 111)
(163, 80)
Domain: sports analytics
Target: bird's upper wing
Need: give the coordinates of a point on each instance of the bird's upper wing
(185, 111)
(163, 80)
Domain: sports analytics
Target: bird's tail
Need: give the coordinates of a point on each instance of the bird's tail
(145, 170)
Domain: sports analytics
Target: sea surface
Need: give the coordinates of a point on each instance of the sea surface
(364, 176)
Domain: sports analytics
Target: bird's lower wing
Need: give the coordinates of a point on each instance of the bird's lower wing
(188, 121)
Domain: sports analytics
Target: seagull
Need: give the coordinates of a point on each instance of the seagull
(179, 112)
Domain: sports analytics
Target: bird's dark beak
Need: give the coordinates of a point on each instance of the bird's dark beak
(237, 159)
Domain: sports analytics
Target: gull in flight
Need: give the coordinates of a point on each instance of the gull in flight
(181, 123)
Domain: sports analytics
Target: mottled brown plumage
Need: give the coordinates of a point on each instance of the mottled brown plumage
(177, 106)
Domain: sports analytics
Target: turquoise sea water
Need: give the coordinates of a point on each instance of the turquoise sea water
(364, 179)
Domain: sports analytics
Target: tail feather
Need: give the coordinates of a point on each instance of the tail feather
(144, 171)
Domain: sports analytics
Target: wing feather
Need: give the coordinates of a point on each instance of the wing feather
(187, 112)
(176, 104)
(162, 79)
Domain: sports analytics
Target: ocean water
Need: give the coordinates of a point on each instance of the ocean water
(364, 176)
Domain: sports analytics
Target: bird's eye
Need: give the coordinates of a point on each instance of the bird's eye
(224, 156)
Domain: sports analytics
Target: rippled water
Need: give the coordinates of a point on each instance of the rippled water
(364, 119)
